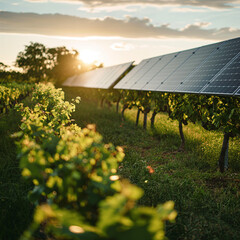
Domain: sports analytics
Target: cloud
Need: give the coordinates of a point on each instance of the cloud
(159, 3)
(122, 46)
(130, 27)
(44, 1)
(109, 9)
(185, 10)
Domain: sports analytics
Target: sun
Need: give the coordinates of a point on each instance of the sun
(89, 56)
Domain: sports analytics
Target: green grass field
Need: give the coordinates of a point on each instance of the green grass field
(208, 202)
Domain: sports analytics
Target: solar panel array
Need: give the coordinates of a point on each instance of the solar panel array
(102, 78)
(211, 69)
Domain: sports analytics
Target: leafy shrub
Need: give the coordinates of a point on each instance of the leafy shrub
(12, 93)
(78, 193)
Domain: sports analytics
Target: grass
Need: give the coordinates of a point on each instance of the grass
(15, 209)
(208, 202)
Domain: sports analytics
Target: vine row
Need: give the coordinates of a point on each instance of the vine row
(77, 192)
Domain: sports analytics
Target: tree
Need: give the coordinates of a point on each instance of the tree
(64, 63)
(34, 60)
(59, 63)
(3, 67)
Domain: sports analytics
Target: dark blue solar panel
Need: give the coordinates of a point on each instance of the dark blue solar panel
(164, 72)
(127, 81)
(195, 82)
(115, 74)
(161, 62)
(227, 82)
(111, 72)
(175, 79)
(142, 72)
(161, 79)
(102, 78)
(238, 92)
(182, 58)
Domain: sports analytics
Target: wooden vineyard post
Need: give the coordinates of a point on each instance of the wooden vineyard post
(224, 153)
(102, 102)
(117, 106)
(123, 110)
(182, 136)
(138, 114)
(146, 111)
(153, 118)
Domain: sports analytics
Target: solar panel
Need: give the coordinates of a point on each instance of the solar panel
(78, 81)
(116, 74)
(178, 76)
(226, 82)
(209, 68)
(156, 68)
(173, 66)
(102, 78)
(238, 92)
(141, 72)
(96, 79)
(111, 72)
(69, 81)
(158, 82)
(126, 82)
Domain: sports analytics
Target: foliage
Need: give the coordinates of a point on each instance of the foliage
(74, 174)
(12, 93)
(160, 102)
(184, 107)
(220, 113)
(64, 63)
(34, 60)
(40, 63)
(15, 209)
(3, 67)
(207, 202)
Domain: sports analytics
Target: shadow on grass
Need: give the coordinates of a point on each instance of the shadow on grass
(15, 208)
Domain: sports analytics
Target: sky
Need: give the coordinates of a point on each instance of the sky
(116, 31)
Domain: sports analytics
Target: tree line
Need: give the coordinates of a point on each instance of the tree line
(37, 62)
